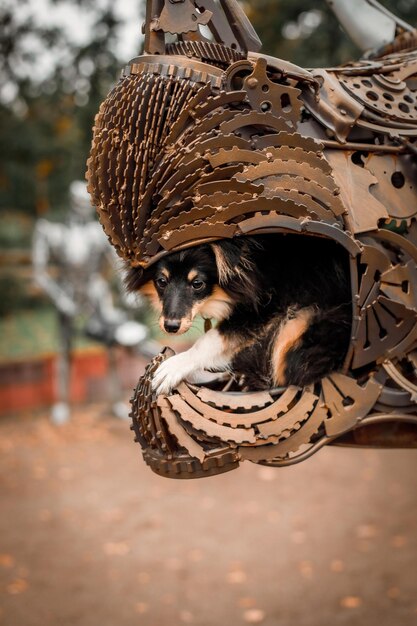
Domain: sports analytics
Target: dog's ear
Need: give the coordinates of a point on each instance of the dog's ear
(234, 257)
(226, 260)
(236, 268)
(136, 277)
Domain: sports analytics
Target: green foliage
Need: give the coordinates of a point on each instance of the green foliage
(323, 46)
(46, 127)
(15, 230)
(15, 294)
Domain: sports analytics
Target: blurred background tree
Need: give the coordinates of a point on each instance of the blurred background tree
(58, 59)
(52, 84)
(306, 31)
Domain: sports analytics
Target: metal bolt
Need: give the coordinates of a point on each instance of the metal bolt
(252, 83)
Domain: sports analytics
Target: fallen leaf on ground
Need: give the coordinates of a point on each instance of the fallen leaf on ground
(366, 531)
(116, 548)
(246, 603)
(44, 515)
(65, 473)
(207, 503)
(254, 616)
(174, 564)
(112, 515)
(267, 473)
(306, 569)
(186, 616)
(398, 541)
(195, 555)
(143, 578)
(337, 566)
(17, 586)
(6, 560)
(168, 598)
(364, 546)
(39, 472)
(252, 507)
(351, 602)
(235, 577)
(298, 537)
(141, 607)
(368, 474)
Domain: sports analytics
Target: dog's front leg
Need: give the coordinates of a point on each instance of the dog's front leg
(212, 351)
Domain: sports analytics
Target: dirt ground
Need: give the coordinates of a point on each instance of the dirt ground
(89, 536)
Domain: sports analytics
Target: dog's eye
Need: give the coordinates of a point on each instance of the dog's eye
(197, 285)
(161, 282)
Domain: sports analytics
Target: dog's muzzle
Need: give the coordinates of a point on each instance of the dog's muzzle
(172, 326)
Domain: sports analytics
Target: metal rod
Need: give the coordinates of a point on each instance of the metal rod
(366, 147)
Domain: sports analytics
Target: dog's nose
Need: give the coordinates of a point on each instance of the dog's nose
(172, 326)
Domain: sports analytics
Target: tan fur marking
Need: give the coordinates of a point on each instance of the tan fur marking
(227, 271)
(165, 272)
(289, 336)
(149, 290)
(191, 275)
(223, 268)
(217, 306)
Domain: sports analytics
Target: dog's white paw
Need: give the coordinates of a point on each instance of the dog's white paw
(203, 377)
(171, 372)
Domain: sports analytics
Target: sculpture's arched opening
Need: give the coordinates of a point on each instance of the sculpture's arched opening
(327, 276)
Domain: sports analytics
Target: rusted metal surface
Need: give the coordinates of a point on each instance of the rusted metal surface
(205, 139)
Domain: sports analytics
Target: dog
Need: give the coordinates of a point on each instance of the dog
(282, 305)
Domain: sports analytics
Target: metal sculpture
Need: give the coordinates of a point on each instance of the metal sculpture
(206, 138)
(76, 284)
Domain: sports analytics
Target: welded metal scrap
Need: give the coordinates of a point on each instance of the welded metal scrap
(205, 138)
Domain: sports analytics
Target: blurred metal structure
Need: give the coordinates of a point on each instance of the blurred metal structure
(205, 138)
(370, 25)
(68, 260)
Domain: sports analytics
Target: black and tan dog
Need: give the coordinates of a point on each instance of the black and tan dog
(282, 303)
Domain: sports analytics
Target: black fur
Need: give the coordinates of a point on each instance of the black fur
(293, 272)
(269, 277)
